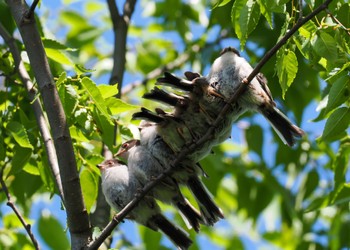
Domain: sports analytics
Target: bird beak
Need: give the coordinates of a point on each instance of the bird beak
(99, 166)
(213, 92)
(120, 152)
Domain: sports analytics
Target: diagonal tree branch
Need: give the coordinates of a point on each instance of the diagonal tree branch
(10, 203)
(38, 112)
(78, 220)
(187, 150)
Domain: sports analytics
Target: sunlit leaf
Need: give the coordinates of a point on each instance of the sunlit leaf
(336, 124)
(325, 46)
(58, 56)
(339, 93)
(19, 133)
(245, 16)
(117, 106)
(96, 96)
(55, 45)
(287, 68)
(89, 183)
(108, 90)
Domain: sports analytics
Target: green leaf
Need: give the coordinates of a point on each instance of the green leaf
(317, 203)
(339, 93)
(266, 11)
(117, 106)
(2, 149)
(92, 160)
(61, 78)
(69, 98)
(19, 133)
(11, 221)
(108, 90)
(340, 166)
(343, 196)
(287, 68)
(245, 16)
(96, 96)
(80, 69)
(312, 183)
(46, 174)
(221, 3)
(52, 44)
(52, 232)
(89, 184)
(83, 118)
(31, 167)
(325, 46)
(336, 124)
(20, 158)
(58, 56)
(106, 129)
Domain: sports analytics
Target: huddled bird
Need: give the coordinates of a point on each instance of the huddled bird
(227, 73)
(140, 160)
(195, 106)
(120, 186)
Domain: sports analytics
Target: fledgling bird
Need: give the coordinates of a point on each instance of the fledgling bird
(120, 186)
(193, 114)
(167, 191)
(169, 127)
(187, 173)
(226, 74)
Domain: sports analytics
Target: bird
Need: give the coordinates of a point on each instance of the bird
(227, 73)
(139, 158)
(120, 186)
(192, 116)
(186, 173)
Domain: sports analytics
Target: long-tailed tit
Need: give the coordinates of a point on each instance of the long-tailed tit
(140, 160)
(120, 186)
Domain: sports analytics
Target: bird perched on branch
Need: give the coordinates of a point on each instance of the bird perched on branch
(192, 116)
(229, 71)
(120, 186)
(211, 93)
(140, 160)
(186, 173)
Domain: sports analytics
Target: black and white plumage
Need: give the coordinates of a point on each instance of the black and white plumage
(187, 172)
(120, 186)
(227, 73)
(141, 160)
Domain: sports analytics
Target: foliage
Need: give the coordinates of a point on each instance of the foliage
(272, 195)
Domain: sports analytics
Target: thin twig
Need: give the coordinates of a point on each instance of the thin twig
(337, 21)
(12, 205)
(181, 156)
(32, 9)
